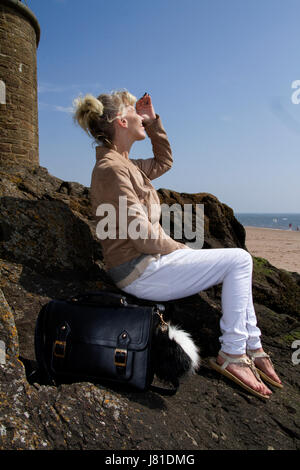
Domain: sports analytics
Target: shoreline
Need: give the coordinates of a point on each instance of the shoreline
(280, 247)
(269, 228)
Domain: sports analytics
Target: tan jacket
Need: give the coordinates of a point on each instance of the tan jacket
(113, 176)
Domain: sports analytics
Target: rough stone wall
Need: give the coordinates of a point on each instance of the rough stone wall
(18, 74)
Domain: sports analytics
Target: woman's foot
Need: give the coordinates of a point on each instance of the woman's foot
(264, 364)
(245, 374)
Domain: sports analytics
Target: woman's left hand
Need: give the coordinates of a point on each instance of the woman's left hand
(145, 109)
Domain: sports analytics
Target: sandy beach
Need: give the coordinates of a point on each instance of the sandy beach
(280, 247)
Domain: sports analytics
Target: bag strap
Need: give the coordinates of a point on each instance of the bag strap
(103, 298)
(112, 299)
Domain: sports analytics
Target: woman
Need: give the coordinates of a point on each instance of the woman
(154, 266)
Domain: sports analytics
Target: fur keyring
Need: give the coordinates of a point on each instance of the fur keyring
(175, 355)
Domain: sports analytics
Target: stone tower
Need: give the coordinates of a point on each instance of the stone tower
(19, 38)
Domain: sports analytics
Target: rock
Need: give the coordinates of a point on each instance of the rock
(276, 288)
(43, 212)
(48, 250)
(221, 228)
(8, 331)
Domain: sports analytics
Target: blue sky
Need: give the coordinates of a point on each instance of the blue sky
(220, 75)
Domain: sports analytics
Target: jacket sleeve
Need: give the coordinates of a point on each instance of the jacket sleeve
(163, 160)
(115, 183)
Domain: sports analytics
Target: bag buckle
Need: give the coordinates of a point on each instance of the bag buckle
(120, 357)
(59, 349)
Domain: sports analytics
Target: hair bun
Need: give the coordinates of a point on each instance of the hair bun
(88, 104)
(85, 109)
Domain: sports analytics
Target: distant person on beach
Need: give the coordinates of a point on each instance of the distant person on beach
(159, 268)
(290, 226)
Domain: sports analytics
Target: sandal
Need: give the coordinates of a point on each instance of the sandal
(256, 355)
(242, 361)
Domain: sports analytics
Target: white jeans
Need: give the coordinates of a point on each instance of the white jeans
(186, 272)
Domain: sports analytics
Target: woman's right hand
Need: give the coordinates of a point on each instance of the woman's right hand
(144, 108)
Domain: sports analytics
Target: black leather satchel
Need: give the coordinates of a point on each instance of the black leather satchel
(96, 337)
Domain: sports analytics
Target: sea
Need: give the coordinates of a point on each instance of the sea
(276, 221)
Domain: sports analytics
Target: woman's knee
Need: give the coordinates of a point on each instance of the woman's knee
(244, 256)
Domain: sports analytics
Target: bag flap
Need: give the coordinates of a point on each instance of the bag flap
(101, 325)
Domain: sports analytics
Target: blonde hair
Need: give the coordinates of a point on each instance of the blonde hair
(96, 115)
